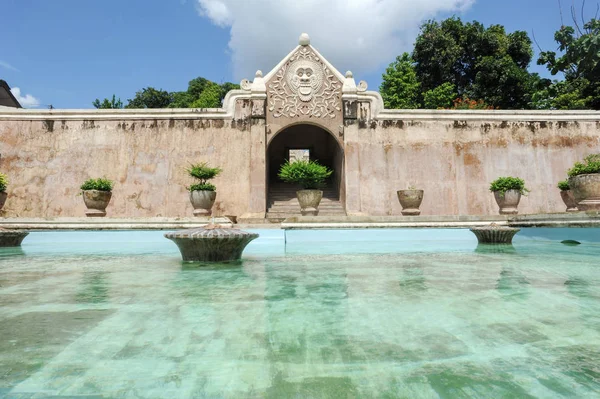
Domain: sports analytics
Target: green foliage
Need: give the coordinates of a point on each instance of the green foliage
(149, 97)
(503, 184)
(114, 103)
(400, 87)
(580, 64)
(564, 185)
(309, 174)
(209, 98)
(203, 173)
(482, 63)
(590, 164)
(3, 182)
(100, 184)
(440, 97)
(202, 187)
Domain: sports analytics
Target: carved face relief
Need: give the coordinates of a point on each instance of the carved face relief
(305, 78)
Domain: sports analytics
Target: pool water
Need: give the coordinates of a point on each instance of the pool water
(319, 314)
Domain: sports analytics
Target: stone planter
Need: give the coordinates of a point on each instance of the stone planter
(309, 201)
(586, 190)
(508, 202)
(410, 201)
(569, 200)
(3, 196)
(203, 201)
(96, 201)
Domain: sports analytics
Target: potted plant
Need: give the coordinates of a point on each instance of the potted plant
(96, 196)
(410, 200)
(584, 181)
(507, 192)
(567, 196)
(202, 194)
(311, 176)
(3, 185)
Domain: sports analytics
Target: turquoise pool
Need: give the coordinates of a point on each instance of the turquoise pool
(395, 313)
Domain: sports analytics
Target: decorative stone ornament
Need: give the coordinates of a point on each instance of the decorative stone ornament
(494, 234)
(203, 201)
(12, 238)
(3, 197)
(305, 86)
(304, 39)
(212, 243)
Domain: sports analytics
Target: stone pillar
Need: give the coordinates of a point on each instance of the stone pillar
(351, 157)
(257, 200)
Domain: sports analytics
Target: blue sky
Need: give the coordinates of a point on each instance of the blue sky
(69, 52)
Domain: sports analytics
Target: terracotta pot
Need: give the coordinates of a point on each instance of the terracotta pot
(203, 201)
(586, 190)
(309, 201)
(3, 196)
(569, 200)
(96, 201)
(508, 202)
(410, 201)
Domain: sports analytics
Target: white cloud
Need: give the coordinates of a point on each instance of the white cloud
(27, 101)
(360, 35)
(6, 65)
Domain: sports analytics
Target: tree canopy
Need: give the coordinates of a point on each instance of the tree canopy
(201, 93)
(108, 104)
(483, 63)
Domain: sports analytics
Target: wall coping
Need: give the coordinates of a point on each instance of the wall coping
(228, 113)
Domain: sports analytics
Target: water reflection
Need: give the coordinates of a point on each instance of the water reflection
(11, 251)
(495, 249)
(95, 285)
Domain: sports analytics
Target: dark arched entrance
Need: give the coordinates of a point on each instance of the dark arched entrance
(309, 142)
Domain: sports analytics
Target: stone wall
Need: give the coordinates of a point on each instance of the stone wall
(47, 160)
(453, 156)
(454, 160)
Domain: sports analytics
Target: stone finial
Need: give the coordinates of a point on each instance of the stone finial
(258, 86)
(304, 39)
(349, 86)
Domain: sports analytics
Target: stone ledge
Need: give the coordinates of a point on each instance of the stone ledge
(109, 223)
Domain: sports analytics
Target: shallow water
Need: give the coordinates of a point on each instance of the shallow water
(347, 314)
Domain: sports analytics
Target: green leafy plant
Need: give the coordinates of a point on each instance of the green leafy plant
(3, 182)
(564, 185)
(100, 184)
(591, 164)
(203, 173)
(503, 184)
(309, 174)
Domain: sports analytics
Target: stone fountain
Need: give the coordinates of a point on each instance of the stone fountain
(12, 238)
(494, 234)
(212, 243)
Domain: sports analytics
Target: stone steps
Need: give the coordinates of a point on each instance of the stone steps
(283, 203)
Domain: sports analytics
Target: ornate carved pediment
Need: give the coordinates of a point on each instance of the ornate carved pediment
(304, 86)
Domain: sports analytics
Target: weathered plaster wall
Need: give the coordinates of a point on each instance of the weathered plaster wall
(47, 160)
(454, 161)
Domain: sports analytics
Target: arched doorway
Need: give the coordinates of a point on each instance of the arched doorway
(304, 142)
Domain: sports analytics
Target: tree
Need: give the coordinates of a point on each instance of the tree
(440, 97)
(149, 97)
(108, 104)
(400, 87)
(209, 98)
(482, 63)
(579, 63)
